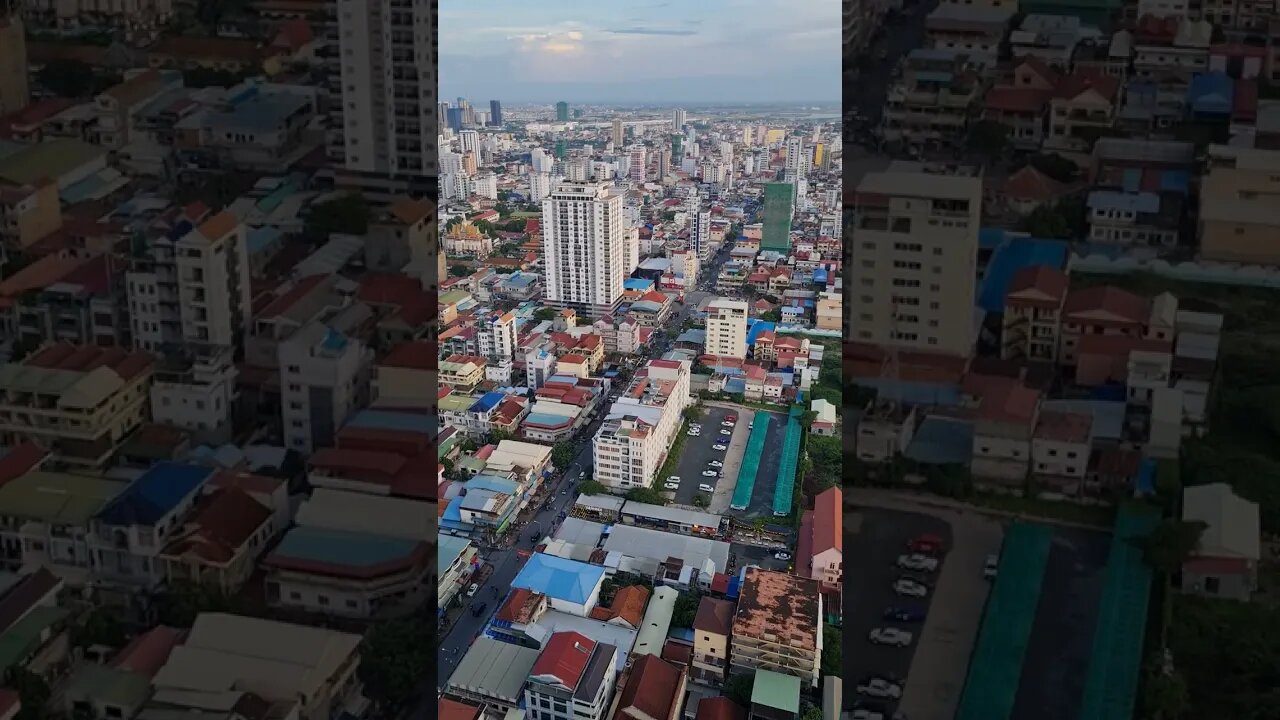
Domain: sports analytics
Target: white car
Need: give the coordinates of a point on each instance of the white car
(710, 473)
(672, 486)
(715, 464)
(992, 566)
(727, 424)
(890, 636)
(910, 588)
(918, 562)
(472, 590)
(721, 448)
(673, 478)
(706, 488)
(880, 688)
(694, 433)
(782, 555)
(725, 432)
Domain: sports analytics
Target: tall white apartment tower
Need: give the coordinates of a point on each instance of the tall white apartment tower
(469, 141)
(727, 328)
(584, 241)
(639, 159)
(677, 119)
(388, 86)
(700, 234)
(797, 160)
(914, 264)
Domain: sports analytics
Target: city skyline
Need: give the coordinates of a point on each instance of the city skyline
(772, 51)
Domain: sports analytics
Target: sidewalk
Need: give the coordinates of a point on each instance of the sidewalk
(914, 501)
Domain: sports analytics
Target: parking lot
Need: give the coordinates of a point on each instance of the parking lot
(697, 453)
(878, 538)
(761, 504)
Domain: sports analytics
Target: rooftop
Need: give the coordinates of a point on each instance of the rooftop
(780, 605)
(154, 494)
(559, 578)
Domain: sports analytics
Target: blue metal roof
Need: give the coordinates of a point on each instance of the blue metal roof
(487, 402)
(154, 494)
(391, 420)
(1143, 202)
(755, 327)
(1212, 92)
(492, 484)
(559, 578)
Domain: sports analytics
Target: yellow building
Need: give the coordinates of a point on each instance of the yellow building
(1240, 216)
(462, 372)
(406, 377)
(828, 315)
(819, 151)
(29, 212)
(774, 136)
(79, 402)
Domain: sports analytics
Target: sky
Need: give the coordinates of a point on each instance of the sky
(640, 51)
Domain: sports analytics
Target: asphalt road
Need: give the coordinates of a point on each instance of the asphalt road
(1057, 659)
(879, 537)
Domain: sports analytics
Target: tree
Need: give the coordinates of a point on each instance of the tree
(827, 456)
(562, 454)
(646, 495)
(497, 435)
(1056, 167)
(459, 271)
(813, 713)
(686, 609)
(694, 413)
(100, 628)
(67, 78)
(832, 651)
(1164, 693)
(545, 314)
(592, 487)
(700, 500)
(33, 692)
(1172, 542)
(774, 315)
(181, 602)
(394, 658)
(989, 138)
(348, 215)
(738, 689)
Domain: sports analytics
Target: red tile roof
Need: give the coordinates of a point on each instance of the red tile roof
(564, 658)
(447, 709)
(20, 460)
(520, 606)
(85, 358)
(1016, 99)
(628, 604)
(148, 652)
(1010, 402)
(1043, 279)
(281, 304)
(651, 689)
(417, 355)
(1122, 304)
(677, 652)
(1031, 185)
(720, 708)
(826, 521)
(714, 615)
(1064, 427)
(1081, 81)
(222, 523)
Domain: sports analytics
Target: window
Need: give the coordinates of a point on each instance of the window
(323, 599)
(1211, 585)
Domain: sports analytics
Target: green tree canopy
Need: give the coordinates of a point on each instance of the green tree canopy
(67, 78)
(1170, 544)
(545, 314)
(396, 655)
(562, 454)
(832, 651)
(347, 215)
(738, 688)
(646, 495)
(592, 487)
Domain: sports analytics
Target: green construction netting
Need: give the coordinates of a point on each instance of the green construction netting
(996, 665)
(784, 492)
(750, 463)
(1116, 661)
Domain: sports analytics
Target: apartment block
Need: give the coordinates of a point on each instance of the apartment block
(1239, 215)
(778, 626)
(727, 328)
(324, 377)
(584, 240)
(29, 213)
(196, 391)
(915, 258)
(573, 678)
(712, 628)
(138, 18)
(66, 297)
(78, 402)
(932, 101)
(641, 425)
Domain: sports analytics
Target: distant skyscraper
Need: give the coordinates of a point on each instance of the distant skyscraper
(560, 149)
(562, 111)
(797, 160)
(577, 113)
(454, 119)
(584, 241)
(677, 119)
(677, 147)
(469, 141)
(617, 134)
(664, 163)
(389, 89)
(495, 113)
(777, 217)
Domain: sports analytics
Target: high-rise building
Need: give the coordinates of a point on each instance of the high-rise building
(389, 88)
(639, 159)
(641, 426)
(453, 118)
(664, 163)
(748, 135)
(14, 92)
(820, 156)
(562, 111)
(469, 141)
(797, 160)
(677, 147)
(727, 328)
(617, 133)
(700, 234)
(561, 149)
(324, 377)
(540, 161)
(584, 247)
(914, 273)
(677, 119)
(778, 207)
(495, 113)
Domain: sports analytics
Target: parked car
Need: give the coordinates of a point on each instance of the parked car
(479, 609)
(727, 424)
(731, 418)
(673, 478)
(709, 473)
(880, 688)
(724, 431)
(671, 486)
(715, 464)
(719, 447)
(706, 488)
(471, 591)
(694, 433)
(918, 562)
(992, 566)
(905, 614)
(890, 636)
(782, 555)
(931, 544)
(910, 588)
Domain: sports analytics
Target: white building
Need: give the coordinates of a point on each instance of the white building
(573, 678)
(914, 265)
(640, 428)
(797, 159)
(677, 119)
(542, 184)
(196, 394)
(497, 337)
(324, 377)
(584, 246)
(485, 186)
(389, 85)
(639, 158)
(727, 328)
(193, 287)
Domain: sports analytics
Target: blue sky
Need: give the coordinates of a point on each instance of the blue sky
(521, 51)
